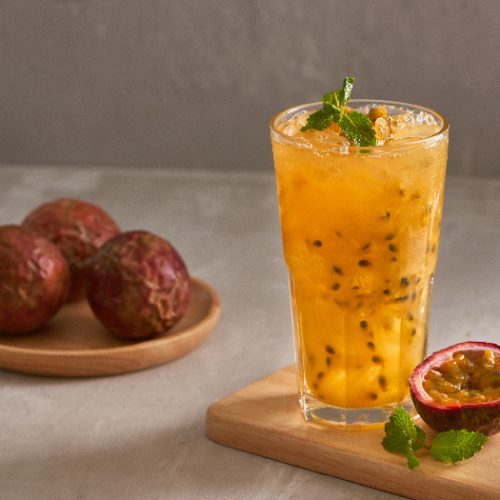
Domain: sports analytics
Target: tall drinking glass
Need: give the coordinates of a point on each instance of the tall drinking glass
(360, 229)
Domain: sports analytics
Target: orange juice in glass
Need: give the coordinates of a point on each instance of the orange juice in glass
(360, 230)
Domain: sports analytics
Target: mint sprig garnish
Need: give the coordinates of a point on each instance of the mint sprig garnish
(339, 98)
(452, 446)
(356, 126)
(403, 436)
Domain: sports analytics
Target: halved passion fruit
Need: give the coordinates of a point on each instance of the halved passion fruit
(459, 388)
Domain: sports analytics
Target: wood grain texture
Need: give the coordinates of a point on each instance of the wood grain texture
(75, 344)
(264, 418)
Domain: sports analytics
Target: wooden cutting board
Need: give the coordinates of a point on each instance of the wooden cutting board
(264, 418)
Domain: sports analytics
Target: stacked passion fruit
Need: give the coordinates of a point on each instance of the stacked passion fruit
(34, 280)
(78, 228)
(459, 388)
(136, 283)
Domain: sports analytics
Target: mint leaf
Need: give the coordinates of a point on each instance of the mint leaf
(420, 442)
(412, 461)
(400, 430)
(356, 126)
(452, 446)
(319, 120)
(339, 98)
(403, 436)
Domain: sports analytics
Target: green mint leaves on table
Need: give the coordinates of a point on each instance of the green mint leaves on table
(452, 446)
(356, 126)
(403, 436)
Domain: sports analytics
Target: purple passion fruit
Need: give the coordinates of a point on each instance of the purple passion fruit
(78, 228)
(34, 280)
(138, 285)
(459, 388)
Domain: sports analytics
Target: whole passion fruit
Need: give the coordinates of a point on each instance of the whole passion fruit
(459, 388)
(34, 280)
(78, 228)
(138, 285)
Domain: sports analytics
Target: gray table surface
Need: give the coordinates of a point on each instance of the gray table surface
(141, 435)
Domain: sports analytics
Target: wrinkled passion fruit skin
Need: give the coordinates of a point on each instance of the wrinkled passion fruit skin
(78, 228)
(34, 280)
(138, 285)
(481, 417)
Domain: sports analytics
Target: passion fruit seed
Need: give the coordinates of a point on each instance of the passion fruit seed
(338, 270)
(330, 349)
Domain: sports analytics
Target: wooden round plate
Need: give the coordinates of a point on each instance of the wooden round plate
(75, 344)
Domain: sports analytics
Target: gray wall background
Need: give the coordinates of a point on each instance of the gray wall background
(193, 83)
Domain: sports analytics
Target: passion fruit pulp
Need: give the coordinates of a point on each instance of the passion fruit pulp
(459, 388)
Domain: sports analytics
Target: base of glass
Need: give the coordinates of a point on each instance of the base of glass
(314, 409)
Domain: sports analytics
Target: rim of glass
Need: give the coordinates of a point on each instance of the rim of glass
(299, 141)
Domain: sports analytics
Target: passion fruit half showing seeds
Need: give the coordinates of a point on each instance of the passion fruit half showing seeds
(78, 228)
(138, 285)
(459, 388)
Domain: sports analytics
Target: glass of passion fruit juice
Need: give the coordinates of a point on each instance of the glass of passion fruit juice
(360, 229)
